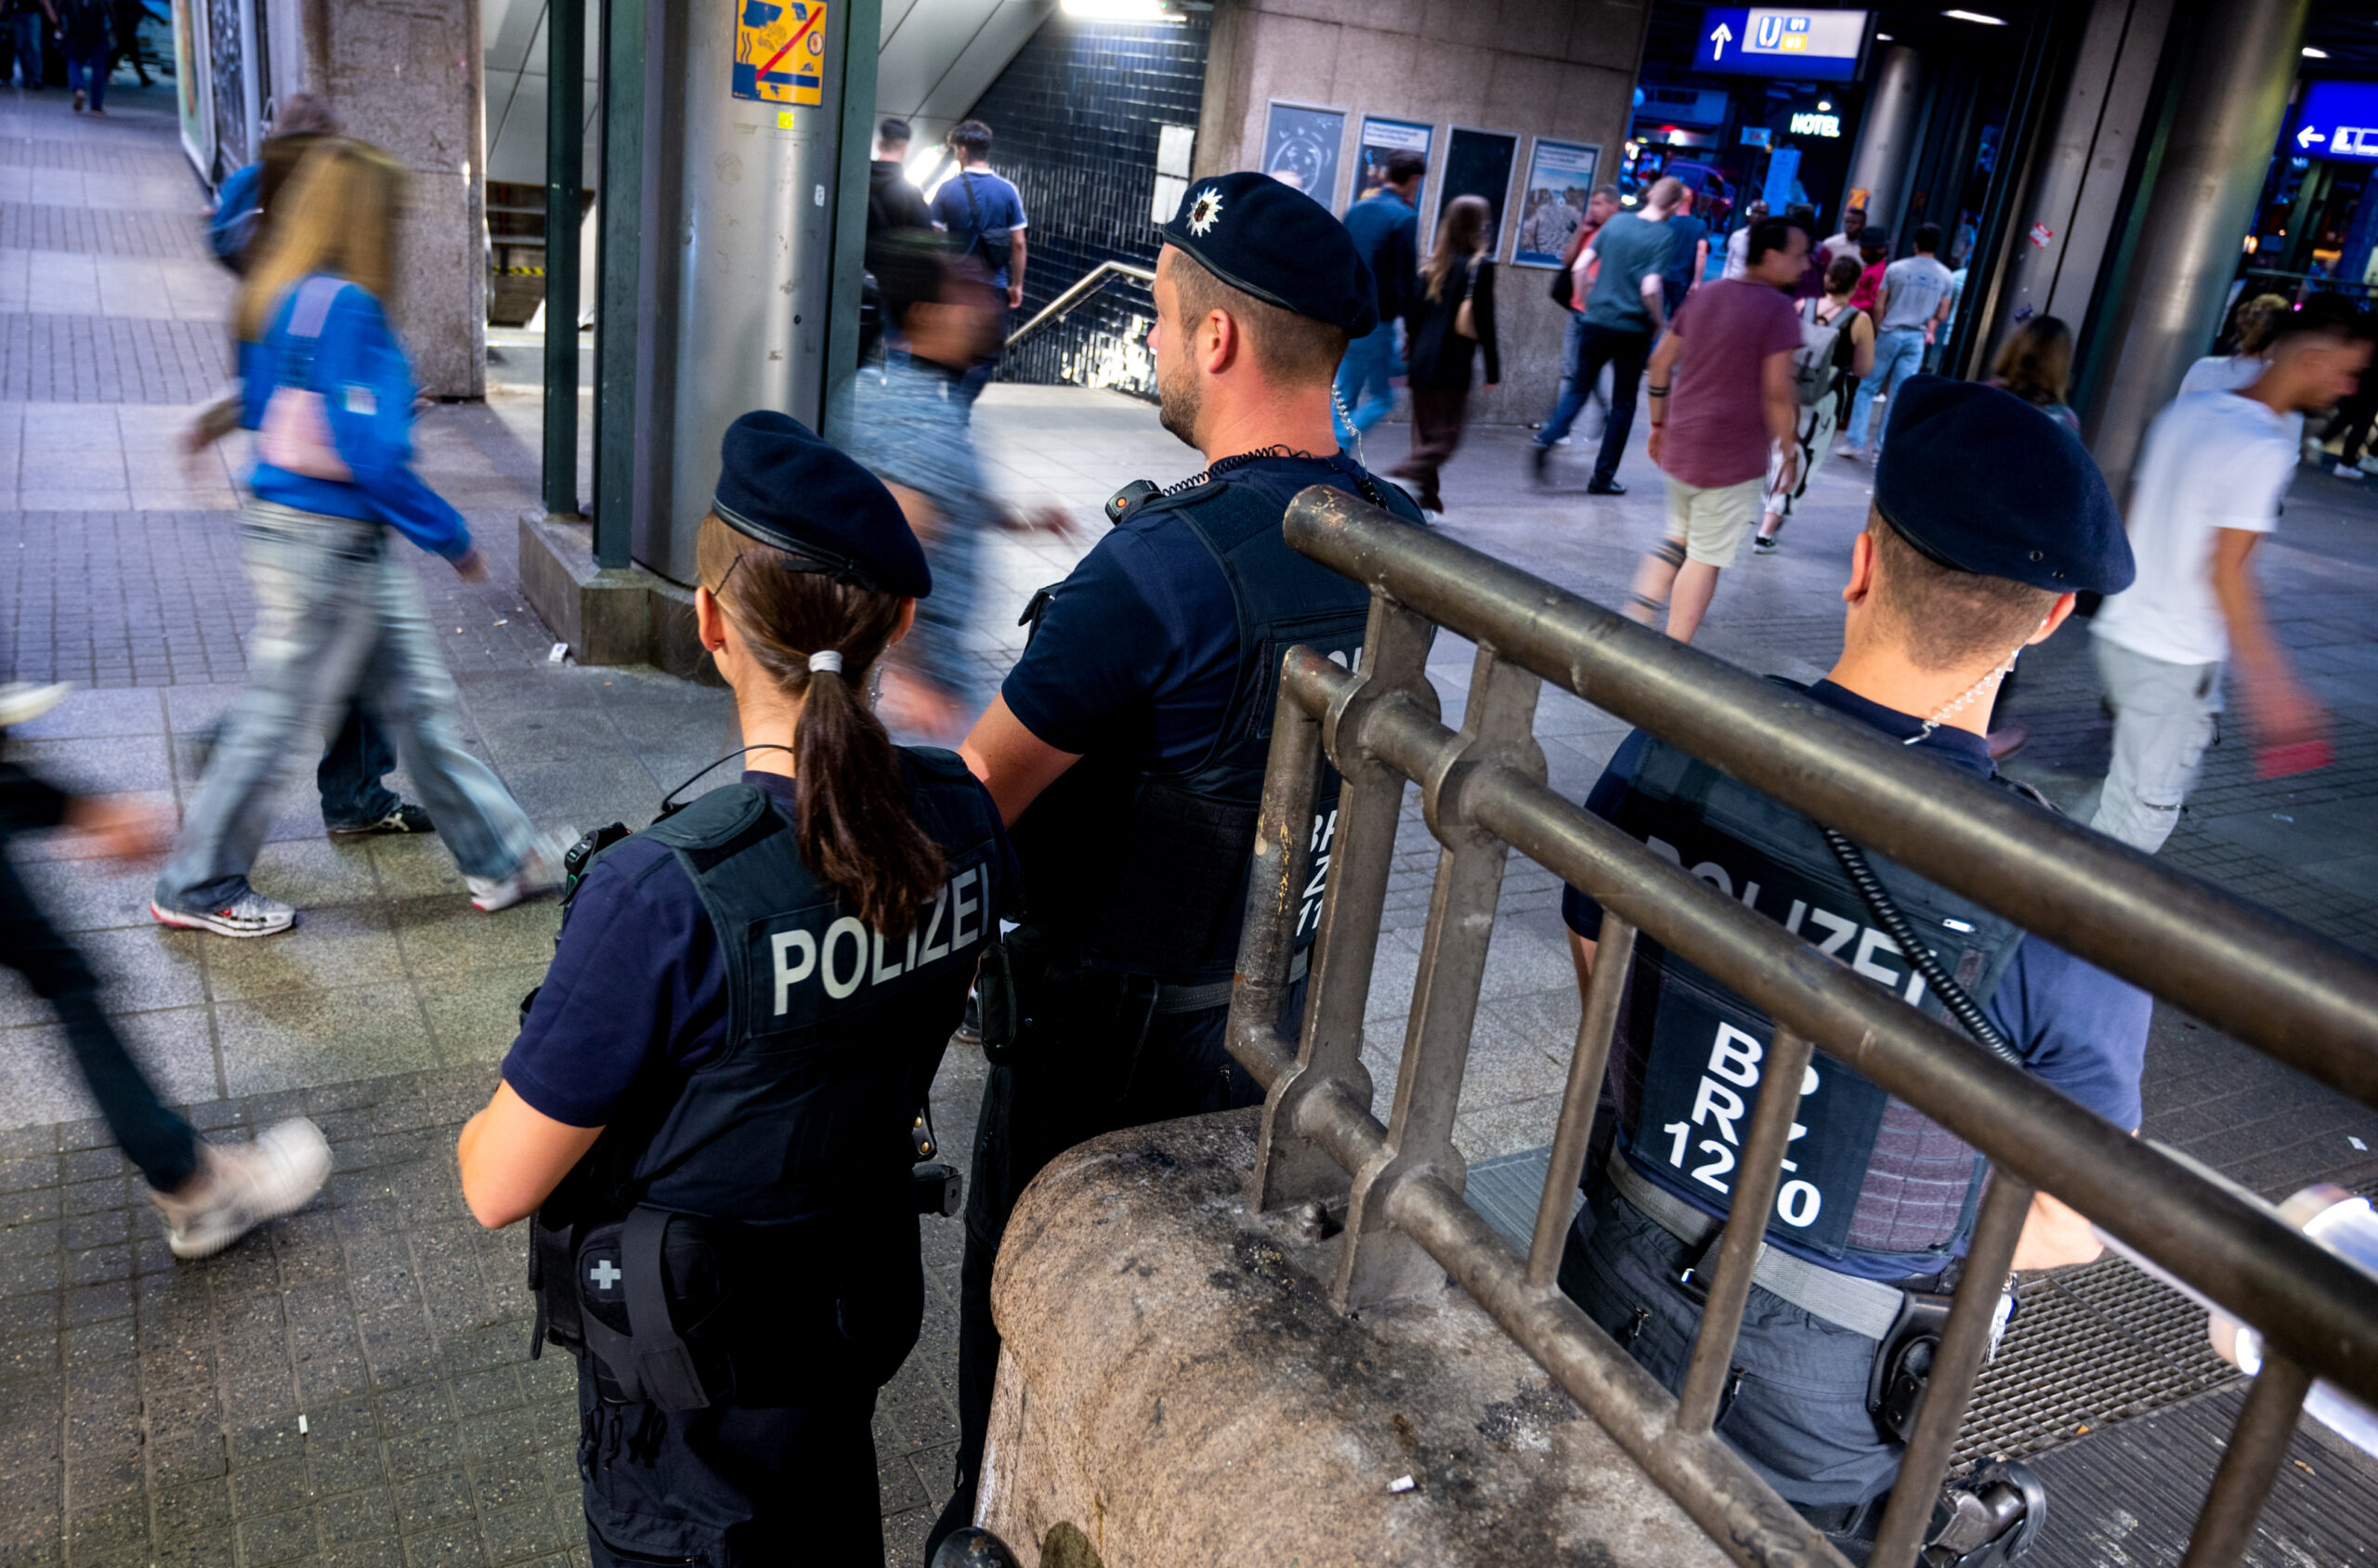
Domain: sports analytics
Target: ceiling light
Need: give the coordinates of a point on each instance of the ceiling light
(1825, 106)
(2311, 53)
(1882, 38)
(1975, 16)
(1115, 10)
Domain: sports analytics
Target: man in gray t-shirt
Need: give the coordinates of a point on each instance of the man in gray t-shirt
(1622, 315)
(1915, 298)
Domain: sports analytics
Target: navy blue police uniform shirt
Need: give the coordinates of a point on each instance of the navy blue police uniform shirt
(2079, 1028)
(1137, 652)
(639, 989)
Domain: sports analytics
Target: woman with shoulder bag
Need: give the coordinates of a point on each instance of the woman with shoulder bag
(1853, 356)
(1457, 321)
(709, 1107)
(340, 611)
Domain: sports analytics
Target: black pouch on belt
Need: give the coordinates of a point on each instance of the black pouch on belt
(1904, 1362)
(1011, 993)
(647, 1288)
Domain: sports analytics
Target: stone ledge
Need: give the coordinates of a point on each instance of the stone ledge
(1175, 1389)
(607, 616)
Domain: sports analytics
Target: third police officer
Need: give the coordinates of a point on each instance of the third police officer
(1988, 519)
(1127, 745)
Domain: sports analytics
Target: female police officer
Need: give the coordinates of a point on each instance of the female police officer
(708, 1107)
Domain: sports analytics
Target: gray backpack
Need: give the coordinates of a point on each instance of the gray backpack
(1824, 354)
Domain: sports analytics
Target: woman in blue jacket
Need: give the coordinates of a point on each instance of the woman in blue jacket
(340, 611)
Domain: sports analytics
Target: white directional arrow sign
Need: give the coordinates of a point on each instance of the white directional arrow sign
(1722, 36)
(2307, 137)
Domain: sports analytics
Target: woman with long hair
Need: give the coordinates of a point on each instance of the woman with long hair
(1456, 320)
(339, 610)
(1853, 356)
(2036, 363)
(714, 1089)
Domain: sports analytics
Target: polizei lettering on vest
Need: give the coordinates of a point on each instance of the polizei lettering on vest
(848, 954)
(1719, 1103)
(1325, 829)
(1829, 933)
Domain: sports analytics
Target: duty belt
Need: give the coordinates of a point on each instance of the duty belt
(1199, 999)
(1864, 1306)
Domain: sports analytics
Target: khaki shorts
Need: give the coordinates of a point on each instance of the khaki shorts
(1713, 520)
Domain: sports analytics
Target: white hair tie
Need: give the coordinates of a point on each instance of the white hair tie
(826, 658)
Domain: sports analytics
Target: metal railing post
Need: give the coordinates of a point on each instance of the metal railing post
(1956, 1366)
(1276, 883)
(1393, 668)
(1612, 955)
(1375, 1264)
(2249, 1463)
(1740, 1243)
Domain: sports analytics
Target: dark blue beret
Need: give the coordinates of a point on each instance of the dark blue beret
(785, 485)
(1279, 244)
(1979, 480)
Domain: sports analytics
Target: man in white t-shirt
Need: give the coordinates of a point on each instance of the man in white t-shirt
(2208, 485)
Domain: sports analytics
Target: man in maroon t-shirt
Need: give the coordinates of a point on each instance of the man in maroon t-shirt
(1723, 393)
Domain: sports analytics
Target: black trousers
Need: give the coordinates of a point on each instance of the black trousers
(1034, 1112)
(1627, 353)
(152, 1137)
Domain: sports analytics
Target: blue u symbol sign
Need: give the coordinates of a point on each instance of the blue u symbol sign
(1770, 31)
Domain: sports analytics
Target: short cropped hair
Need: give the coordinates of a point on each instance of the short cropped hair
(894, 130)
(1771, 234)
(1288, 347)
(1665, 192)
(1928, 237)
(2323, 314)
(1945, 618)
(1403, 164)
(972, 138)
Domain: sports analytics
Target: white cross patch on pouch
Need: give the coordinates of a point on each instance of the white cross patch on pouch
(360, 401)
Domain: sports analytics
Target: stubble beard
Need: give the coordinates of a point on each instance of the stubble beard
(1179, 400)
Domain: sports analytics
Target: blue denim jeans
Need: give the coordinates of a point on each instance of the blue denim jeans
(24, 32)
(350, 771)
(1366, 382)
(89, 72)
(1897, 353)
(339, 615)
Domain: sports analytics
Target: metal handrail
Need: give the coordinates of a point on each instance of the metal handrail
(2275, 985)
(1083, 287)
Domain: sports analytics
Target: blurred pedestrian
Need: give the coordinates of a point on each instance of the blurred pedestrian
(1387, 235)
(129, 15)
(210, 1194)
(1571, 287)
(340, 611)
(2035, 364)
(1837, 347)
(893, 204)
(1628, 306)
(28, 20)
(1911, 302)
(1688, 251)
(2209, 479)
(1455, 325)
(1738, 242)
(1853, 224)
(1723, 396)
(982, 214)
(908, 426)
(83, 33)
(1811, 285)
(2252, 326)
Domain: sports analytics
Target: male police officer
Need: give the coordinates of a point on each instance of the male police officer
(1127, 745)
(1987, 518)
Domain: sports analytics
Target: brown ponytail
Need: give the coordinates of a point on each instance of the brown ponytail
(852, 821)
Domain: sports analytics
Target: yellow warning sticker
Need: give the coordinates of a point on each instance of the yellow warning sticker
(780, 51)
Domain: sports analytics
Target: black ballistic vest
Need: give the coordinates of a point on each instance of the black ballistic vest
(766, 1191)
(1140, 868)
(1864, 1172)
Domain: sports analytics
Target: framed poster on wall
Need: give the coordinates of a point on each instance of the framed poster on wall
(1300, 148)
(1381, 138)
(193, 79)
(1553, 202)
(1477, 163)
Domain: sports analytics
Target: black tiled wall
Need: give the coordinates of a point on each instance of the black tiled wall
(1074, 121)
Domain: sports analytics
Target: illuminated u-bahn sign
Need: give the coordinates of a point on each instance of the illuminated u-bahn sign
(2336, 120)
(1809, 46)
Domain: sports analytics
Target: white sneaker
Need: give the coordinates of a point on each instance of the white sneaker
(23, 701)
(250, 914)
(540, 872)
(240, 1185)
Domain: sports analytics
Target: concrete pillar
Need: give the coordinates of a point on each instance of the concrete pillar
(410, 80)
(2234, 91)
(1886, 137)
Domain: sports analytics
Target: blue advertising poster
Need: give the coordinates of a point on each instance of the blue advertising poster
(1783, 179)
(2336, 120)
(1806, 45)
(1300, 148)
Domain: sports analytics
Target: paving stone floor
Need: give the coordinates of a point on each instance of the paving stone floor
(149, 1412)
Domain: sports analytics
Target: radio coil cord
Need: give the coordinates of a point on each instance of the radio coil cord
(1886, 913)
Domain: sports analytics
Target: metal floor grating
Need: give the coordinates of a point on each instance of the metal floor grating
(2091, 1345)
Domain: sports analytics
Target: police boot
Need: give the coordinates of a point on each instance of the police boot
(971, 1547)
(1991, 1517)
